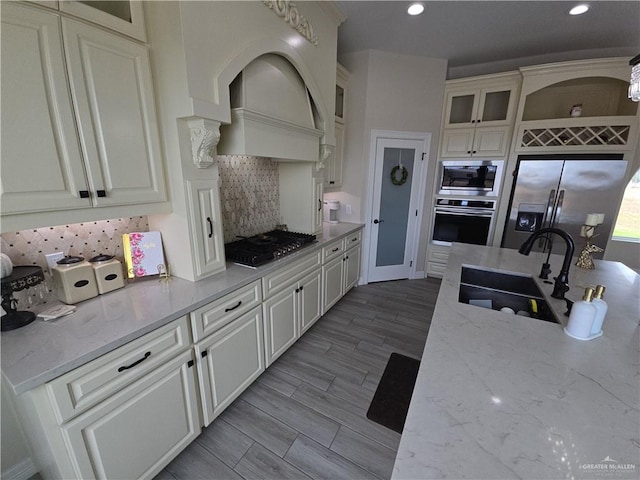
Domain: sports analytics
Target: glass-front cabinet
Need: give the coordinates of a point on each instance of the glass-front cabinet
(123, 16)
(491, 105)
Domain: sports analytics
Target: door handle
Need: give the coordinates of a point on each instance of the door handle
(376, 221)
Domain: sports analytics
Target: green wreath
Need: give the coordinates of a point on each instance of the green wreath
(394, 179)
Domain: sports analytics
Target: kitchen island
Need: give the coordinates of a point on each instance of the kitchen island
(504, 396)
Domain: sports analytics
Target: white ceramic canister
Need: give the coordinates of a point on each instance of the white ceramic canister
(601, 310)
(581, 318)
(74, 280)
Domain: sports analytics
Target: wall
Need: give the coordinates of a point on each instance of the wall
(388, 92)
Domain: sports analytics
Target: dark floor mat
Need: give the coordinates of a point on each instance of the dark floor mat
(391, 401)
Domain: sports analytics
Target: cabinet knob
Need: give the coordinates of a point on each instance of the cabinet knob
(473, 121)
(469, 152)
(331, 182)
(474, 151)
(101, 193)
(84, 193)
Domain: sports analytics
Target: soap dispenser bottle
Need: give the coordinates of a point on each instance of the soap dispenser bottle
(601, 311)
(582, 316)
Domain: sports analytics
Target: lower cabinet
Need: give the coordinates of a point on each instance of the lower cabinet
(123, 415)
(136, 432)
(339, 275)
(290, 312)
(229, 361)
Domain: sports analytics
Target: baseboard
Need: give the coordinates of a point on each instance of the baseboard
(20, 471)
(418, 275)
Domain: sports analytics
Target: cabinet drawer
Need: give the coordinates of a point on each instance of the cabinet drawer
(436, 270)
(439, 255)
(332, 250)
(215, 315)
(276, 281)
(85, 386)
(352, 240)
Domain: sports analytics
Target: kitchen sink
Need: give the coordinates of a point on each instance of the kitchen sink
(497, 290)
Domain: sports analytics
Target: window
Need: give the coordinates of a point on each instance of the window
(628, 223)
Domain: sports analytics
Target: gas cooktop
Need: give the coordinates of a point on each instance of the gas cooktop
(260, 249)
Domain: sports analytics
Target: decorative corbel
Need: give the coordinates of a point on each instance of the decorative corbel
(205, 135)
(325, 152)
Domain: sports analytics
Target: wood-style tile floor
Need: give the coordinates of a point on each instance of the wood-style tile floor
(305, 417)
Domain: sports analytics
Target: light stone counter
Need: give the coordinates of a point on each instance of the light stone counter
(503, 396)
(42, 351)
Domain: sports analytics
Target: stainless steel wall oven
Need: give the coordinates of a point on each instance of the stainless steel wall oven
(463, 221)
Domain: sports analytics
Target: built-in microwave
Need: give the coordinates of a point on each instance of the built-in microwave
(470, 177)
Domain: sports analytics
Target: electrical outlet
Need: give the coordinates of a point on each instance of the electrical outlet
(347, 207)
(52, 258)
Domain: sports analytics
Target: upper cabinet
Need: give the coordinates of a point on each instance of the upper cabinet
(79, 127)
(478, 115)
(468, 104)
(123, 16)
(333, 164)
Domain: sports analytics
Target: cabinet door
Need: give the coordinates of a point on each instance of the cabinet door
(331, 283)
(42, 167)
(229, 361)
(111, 85)
(351, 268)
(457, 142)
(310, 299)
(318, 188)
(123, 16)
(281, 323)
(491, 141)
(461, 108)
(205, 221)
(138, 431)
(496, 105)
(333, 169)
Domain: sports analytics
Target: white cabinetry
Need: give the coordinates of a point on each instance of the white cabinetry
(292, 307)
(334, 164)
(229, 361)
(478, 115)
(301, 190)
(89, 137)
(205, 221)
(101, 420)
(340, 268)
(123, 16)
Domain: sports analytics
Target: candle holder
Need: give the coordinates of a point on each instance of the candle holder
(585, 259)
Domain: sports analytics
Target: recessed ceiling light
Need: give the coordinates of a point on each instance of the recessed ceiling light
(579, 9)
(415, 9)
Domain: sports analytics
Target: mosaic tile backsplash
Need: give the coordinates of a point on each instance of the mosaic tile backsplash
(28, 247)
(88, 239)
(249, 194)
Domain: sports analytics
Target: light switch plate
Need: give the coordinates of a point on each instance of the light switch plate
(52, 258)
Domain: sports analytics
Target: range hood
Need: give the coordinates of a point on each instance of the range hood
(272, 114)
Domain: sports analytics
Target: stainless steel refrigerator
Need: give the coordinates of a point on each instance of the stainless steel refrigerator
(559, 191)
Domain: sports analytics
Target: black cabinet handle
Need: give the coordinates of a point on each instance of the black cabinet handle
(331, 182)
(473, 121)
(301, 287)
(319, 204)
(234, 307)
(210, 223)
(84, 193)
(297, 290)
(146, 355)
(469, 151)
(101, 193)
(474, 151)
(335, 249)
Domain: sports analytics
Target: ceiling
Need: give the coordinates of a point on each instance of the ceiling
(480, 37)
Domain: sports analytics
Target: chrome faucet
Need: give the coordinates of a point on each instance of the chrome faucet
(561, 285)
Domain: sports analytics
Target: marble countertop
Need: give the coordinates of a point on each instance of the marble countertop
(42, 351)
(503, 396)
